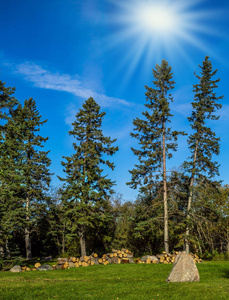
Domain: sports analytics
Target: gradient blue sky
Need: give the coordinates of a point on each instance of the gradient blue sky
(61, 52)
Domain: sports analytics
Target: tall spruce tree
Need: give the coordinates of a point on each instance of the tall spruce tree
(203, 143)
(156, 139)
(31, 168)
(7, 104)
(86, 189)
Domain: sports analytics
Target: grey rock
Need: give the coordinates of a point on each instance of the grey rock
(15, 269)
(71, 264)
(44, 268)
(151, 257)
(131, 258)
(184, 269)
(62, 259)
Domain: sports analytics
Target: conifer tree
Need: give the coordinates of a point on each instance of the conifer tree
(7, 104)
(156, 139)
(87, 189)
(203, 143)
(31, 167)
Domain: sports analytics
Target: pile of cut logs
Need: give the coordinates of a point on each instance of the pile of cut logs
(25, 268)
(164, 258)
(196, 258)
(123, 256)
(115, 257)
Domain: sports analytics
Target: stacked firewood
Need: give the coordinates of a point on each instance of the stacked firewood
(164, 258)
(196, 258)
(147, 259)
(67, 263)
(167, 258)
(123, 256)
(115, 257)
(25, 268)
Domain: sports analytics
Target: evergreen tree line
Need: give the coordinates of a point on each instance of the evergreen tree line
(186, 208)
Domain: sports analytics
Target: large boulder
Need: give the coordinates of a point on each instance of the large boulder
(44, 268)
(184, 269)
(15, 269)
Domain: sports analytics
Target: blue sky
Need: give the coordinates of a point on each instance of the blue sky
(61, 52)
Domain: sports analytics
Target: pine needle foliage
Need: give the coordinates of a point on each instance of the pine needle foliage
(149, 131)
(86, 189)
(30, 168)
(203, 143)
(156, 138)
(7, 104)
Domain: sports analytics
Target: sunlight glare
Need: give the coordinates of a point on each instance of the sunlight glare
(151, 30)
(155, 18)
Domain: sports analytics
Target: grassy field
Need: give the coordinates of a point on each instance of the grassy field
(116, 282)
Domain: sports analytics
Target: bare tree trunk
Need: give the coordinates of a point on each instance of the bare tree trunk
(27, 233)
(7, 248)
(166, 233)
(190, 196)
(199, 244)
(227, 239)
(221, 246)
(63, 240)
(82, 241)
(1, 251)
(1, 248)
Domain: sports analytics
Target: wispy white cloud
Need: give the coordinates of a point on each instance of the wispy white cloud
(224, 113)
(46, 79)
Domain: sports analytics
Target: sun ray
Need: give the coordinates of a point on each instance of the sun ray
(150, 30)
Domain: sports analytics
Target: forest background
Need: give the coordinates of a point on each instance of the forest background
(185, 208)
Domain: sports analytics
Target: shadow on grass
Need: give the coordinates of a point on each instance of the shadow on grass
(226, 273)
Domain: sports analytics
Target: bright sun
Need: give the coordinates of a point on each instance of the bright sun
(151, 30)
(155, 18)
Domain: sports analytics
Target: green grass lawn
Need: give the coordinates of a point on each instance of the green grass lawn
(116, 282)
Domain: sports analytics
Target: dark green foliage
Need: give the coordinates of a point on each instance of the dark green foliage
(86, 190)
(7, 105)
(149, 131)
(203, 141)
(83, 211)
(147, 224)
(209, 218)
(7, 101)
(123, 213)
(30, 176)
(156, 139)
